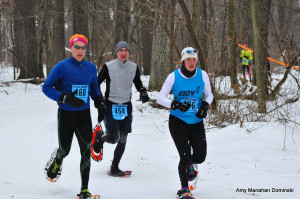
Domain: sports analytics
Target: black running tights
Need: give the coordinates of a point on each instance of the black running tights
(190, 141)
(78, 122)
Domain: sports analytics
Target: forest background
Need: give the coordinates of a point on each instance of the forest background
(35, 33)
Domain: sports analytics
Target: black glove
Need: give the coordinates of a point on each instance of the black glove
(246, 57)
(241, 58)
(183, 107)
(202, 112)
(71, 100)
(144, 95)
(100, 105)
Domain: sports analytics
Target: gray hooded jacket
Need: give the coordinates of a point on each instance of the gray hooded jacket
(119, 77)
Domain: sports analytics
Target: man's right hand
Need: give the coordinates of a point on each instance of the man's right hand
(71, 100)
(183, 107)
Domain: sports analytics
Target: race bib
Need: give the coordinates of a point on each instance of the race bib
(82, 92)
(119, 111)
(245, 61)
(192, 101)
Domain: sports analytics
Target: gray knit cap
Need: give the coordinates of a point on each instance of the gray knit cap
(122, 44)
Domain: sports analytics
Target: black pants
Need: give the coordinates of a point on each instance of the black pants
(117, 130)
(246, 67)
(78, 122)
(190, 141)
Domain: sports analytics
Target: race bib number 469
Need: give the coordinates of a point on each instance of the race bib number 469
(82, 93)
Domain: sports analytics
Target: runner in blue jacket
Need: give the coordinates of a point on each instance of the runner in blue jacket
(71, 83)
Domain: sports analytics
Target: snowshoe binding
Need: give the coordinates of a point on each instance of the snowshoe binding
(184, 193)
(85, 194)
(52, 169)
(193, 176)
(193, 172)
(97, 143)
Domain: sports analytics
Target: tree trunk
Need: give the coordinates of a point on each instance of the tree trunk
(283, 24)
(58, 47)
(233, 55)
(80, 20)
(199, 21)
(1, 36)
(96, 31)
(49, 38)
(260, 13)
(162, 53)
(191, 31)
(122, 21)
(25, 39)
(41, 17)
(146, 36)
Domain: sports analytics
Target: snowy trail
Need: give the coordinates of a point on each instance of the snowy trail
(236, 160)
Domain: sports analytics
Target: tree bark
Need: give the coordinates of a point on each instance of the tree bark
(122, 21)
(1, 36)
(146, 35)
(58, 47)
(260, 13)
(233, 55)
(41, 15)
(283, 24)
(199, 20)
(80, 20)
(191, 31)
(162, 53)
(25, 39)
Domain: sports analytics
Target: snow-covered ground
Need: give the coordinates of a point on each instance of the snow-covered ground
(267, 159)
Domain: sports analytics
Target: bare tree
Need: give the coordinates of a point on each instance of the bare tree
(1, 34)
(146, 35)
(41, 18)
(199, 21)
(80, 19)
(122, 18)
(260, 13)
(233, 55)
(25, 39)
(191, 31)
(58, 47)
(162, 53)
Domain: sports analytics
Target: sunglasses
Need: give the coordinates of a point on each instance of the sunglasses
(78, 47)
(192, 51)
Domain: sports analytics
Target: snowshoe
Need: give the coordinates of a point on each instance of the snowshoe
(85, 194)
(97, 144)
(116, 172)
(184, 193)
(52, 169)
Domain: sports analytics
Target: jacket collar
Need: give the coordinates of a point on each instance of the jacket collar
(120, 62)
(74, 61)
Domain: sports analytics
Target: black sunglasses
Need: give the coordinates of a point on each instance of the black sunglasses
(192, 51)
(78, 47)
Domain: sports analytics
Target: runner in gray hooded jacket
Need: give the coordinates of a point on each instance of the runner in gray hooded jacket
(119, 74)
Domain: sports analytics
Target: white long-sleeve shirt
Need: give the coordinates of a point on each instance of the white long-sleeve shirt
(167, 87)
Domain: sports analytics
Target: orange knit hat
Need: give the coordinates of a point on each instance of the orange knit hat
(78, 37)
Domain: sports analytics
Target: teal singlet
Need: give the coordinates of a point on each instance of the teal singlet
(188, 90)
